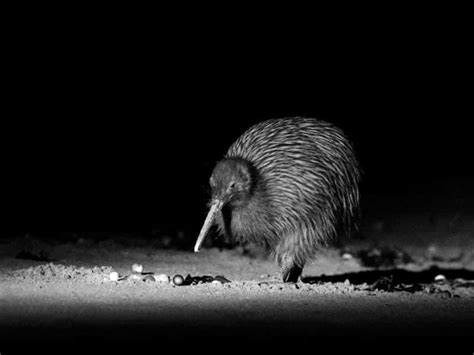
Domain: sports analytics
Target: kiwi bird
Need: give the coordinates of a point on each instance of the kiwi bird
(288, 184)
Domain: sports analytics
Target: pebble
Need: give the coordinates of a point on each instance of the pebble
(440, 278)
(114, 276)
(138, 268)
(347, 256)
(216, 282)
(178, 280)
(149, 278)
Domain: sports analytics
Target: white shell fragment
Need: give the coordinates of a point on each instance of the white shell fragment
(138, 268)
(216, 282)
(440, 278)
(162, 278)
(114, 276)
(149, 278)
(347, 256)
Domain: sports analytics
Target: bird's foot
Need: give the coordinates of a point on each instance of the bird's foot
(290, 269)
(291, 274)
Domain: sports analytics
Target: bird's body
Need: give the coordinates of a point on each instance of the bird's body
(290, 184)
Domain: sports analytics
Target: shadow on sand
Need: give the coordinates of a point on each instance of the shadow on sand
(398, 275)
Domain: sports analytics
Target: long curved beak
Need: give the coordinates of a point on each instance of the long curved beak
(211, 215)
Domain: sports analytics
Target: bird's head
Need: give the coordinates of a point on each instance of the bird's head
(232, 183)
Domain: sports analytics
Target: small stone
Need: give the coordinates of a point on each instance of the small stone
(216, 282)
(163, 278)
(440, 278)
(138, 268)
(149, 278)
(178, 280)
(347, 256)
(114, 276)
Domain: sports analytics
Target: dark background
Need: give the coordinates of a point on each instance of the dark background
(108, 123)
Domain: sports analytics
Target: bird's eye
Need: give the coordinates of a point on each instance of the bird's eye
(232, 184)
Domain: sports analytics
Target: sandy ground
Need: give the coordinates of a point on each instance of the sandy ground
(380, 284)
(73, 299)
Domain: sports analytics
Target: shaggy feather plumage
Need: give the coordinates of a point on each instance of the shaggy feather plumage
(290, 184)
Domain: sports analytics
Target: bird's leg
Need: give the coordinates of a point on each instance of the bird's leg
(289, 269)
